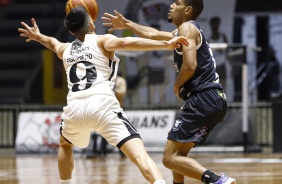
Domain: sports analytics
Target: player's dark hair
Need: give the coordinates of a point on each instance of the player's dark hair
(77, 21)
(197, 5)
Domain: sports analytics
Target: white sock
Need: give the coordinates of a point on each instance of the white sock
(65, 181)
(160, 181)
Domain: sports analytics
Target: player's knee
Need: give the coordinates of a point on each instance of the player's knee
(167, 160)
(141, 160)
(138, 158)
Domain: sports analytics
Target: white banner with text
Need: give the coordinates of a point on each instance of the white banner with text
(38, 132)
(153, 126)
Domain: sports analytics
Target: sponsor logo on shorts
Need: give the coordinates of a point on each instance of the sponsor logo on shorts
(203, 131)
(177, 124)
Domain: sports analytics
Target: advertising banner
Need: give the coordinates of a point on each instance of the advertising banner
(38, 132)
(153, 126)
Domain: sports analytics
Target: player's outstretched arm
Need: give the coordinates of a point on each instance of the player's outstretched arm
(33, 33)
(118, 21)
(111, 43)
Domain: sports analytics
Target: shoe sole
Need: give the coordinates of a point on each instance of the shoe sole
(231, 181)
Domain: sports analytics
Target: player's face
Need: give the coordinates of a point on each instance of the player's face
(176, 12)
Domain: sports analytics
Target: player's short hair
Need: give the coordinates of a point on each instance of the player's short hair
(77, 21)
(197, 5)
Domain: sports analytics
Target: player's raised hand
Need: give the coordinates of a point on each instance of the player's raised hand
(31, 33)
(177, 41)
(116, 21)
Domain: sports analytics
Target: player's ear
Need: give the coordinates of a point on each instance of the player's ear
(188, 10)
(92, 26)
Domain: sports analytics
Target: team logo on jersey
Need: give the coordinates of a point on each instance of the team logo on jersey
(177, 124)
(77, 48)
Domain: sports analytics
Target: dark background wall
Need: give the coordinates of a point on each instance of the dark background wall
(258, 5)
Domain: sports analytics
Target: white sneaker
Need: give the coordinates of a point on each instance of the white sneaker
(225, 180)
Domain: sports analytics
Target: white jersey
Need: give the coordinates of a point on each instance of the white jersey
(89, 72)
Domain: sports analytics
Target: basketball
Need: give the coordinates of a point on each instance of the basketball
(90, 5)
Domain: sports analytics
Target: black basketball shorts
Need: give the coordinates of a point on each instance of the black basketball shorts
(201, 112)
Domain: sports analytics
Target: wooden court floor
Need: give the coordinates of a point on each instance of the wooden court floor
(112, 169)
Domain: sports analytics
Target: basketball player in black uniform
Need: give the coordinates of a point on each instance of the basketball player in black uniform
(197, 84)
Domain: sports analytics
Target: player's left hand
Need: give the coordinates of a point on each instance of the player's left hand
(177, 91)
(31, 33)
(177, 41)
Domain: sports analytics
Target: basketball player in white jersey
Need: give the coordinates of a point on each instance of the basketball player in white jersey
(91, 68)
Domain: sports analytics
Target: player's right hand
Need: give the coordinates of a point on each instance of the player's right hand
(31, 33)
(116, 21)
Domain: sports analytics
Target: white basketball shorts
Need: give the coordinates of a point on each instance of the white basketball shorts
(100, 113)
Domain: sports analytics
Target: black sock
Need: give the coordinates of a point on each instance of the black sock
(209, 177)
(177, 183)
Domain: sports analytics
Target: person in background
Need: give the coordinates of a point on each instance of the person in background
(216, 35)
(197, 84)
(98, 150)
(223, 67)
(120, 89)
(91, 67)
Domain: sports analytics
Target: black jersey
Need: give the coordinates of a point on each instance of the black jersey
(205, 76)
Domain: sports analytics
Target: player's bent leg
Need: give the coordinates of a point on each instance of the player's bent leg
(175, 158)
(177, 177)
(65, 160)
(134, 149)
